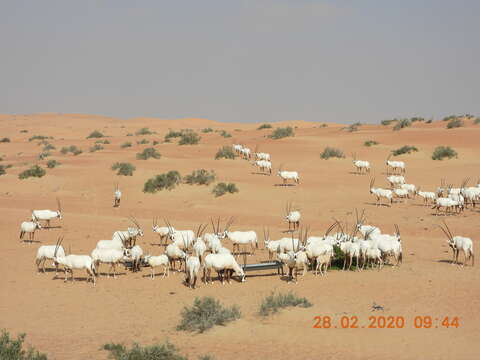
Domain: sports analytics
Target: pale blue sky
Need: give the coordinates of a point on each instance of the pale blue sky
(262, 60)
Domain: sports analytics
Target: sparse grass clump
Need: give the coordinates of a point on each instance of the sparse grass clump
(274, 302)
(388, 122)
(165, 351)
(450, 117)
(143, 142)
(200, 177)
(24, 131)
(95, 134)
(455, 123)
(172, 134)
(442, 152)
(96, 147)
(155, 142)
(206, 313)
(264, 126)
(225, 152)
(207, 130)
(2, 170)
(407, 149)
(71, 149)
(34, 171)
(126, 144)
(280, 133)
(52, 163)
(5, 140)
(403, 123)
(40, 137)
(105, 142)
(189, 138)
(417, 118)
(166, 181)
(223, 188)
(48, 147)
(129, 134)
(125, 169)
(44, 155)
(330, 152)
(370, 143)
(144, 131)
(148, 153)
(225, 134)
(12, 349)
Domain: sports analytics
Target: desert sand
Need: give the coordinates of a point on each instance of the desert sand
(73, 320)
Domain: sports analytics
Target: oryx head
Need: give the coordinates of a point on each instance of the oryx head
(388, 159)
(155, 226)
(37, 225)
(136, 231)
(354, 156)
(360, 220)
(59, 210)
(266, 236)
(372, 183)
(449, 235)
(171, 230)
(57, 246)
(397, 233)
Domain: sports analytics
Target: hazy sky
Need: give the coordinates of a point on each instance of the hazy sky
(240, 60)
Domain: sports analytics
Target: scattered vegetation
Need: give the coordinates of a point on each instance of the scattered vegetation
(165, 351)
(44, 155)
(34, 171)
(96, 147)
(155, 142)
(105, 142)
(52, 163)
(330, 152)
(24, 131)
(95, 134)
(223, 188)
(225, 152)
(407, 149)
(71, 149)
(2, 170)
(455, 123)
(206, 313)
(264, 126)
(280, 133)
(477, 121)
(129, 134)
(274, 302)
(442, 152)
(40, 137)
(12, 349)
(207, 130)
(352, 127)
(450, 117)
(388, 122)
(189, 138)
(403, 123)
(48, 147)
(143, 142)
(225, 134)
(148, 153)
(417, 118)
(5, 140)
(166, 181)
(200, 177)
(125, 169)
(370, 143)
(126, 144)
(172, 134)
(144, 131)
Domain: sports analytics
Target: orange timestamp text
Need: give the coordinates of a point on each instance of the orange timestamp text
(385, 322)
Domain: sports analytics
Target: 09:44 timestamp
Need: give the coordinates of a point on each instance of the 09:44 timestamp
(386, 322)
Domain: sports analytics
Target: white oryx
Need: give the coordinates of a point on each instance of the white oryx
(128, 237)
(360, 165)
(155, 261)
(135, 255)
(395, 166)
(395, 180)
(240, 238)
(45, 252)
(184, 239)
(224, 264)
(117, 195)
(107, 256)
(175, 254)
(380, 193)
(457, 244)
(162, 231)
(448, 204)
(246, 153)
(262, 156)
(426, 196)
(71, 262)
(288, 175)
(263, 165)
(47, 215)
(192, 268)
(237, 148)
(411, 188)
(29, 227)
(401, 194)
(292, 216)
(389, 245)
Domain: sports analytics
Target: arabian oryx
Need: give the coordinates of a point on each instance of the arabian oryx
(128, 237)
(117, 195)
(380, 193)
(360, 165)
(292, 216)
(29, 227)
(297, 259)
(261, 155)
(47, 215)
(162, 231)
(457, 244)
(288, 175)
(240, 238)
(395, 166)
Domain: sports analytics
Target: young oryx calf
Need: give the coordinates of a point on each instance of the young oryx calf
(71, 262)
(47, 215)
(107, 256)
(155, 261)
(381, 193)
(192, 267)
(117, 195)
(395, 166)
(292, 216)
(459, 243)
(29, 227)
(45, 252)
(360, 165)
(288, 175)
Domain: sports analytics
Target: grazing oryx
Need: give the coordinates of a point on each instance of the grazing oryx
(162, 231)
(292, 216)
(29, 227)
(288, 175)
(45, 252)
(450, 205)
(395, 166)
(223, 264)
(71, 262)
(239, 238)
(47, 215)
(360, 165)
(380, 193)
(459, 243)
(297, 259)
(117, 195)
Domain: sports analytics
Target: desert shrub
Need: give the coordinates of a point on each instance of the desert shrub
(200, 177)
(143, 142)
(48, 147)
(155, 142)
(223, 188)
(442, 152)
(455, 123)
(351, 128)
(225, 152)
(429, 121)
(323, 126)
(95, 134)
(148, 153)
(5, 140)
(125, 169)
(189, 138)
(280, 133)
(206, 313)
(72, 149)
(40, 137)
(44, 155)
(96, 147)
(166, 181)
(172, 134)
(126, 144)
(225, 134)
(34, 171)
(416, 118)
(129, 134)
(403, 123)
(2, 170)
(274, 302)
(330, 152)
(207, 130)
(264, 126)
(450, 117)
(23, 131)
(477, 121)
(52, 163)
(144, 131)
(165, 351)
(388, 122)
(370, 143)
(105, 142)
(407, 149)
(12, 349)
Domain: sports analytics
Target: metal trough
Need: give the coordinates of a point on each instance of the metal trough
(264, 266)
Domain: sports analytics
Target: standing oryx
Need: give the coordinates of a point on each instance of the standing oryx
(380, 193)
(288, 175)
(47, 215)
(395, 166)
(117, 195)
(360, 165)
(264, 165)
(292, 216)
(162, 231)
(129, 236)
(459, 243)
(239, 238)
(29, 227)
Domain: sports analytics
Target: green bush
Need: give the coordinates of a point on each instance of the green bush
(351, 128)
(5, 140)
(23, 131)
(223, 188)
(125, 169)
(144, 131)
(200, 177)
(105, 142)
(370, 143)
(126, 144)
(450, 117)
(417, 118)
(207, 130)
(189, 138)
(148, 153)
(172, 134)
(12, 349)
(280, 133)
(388, 122)
(155, 142)
(330, 152)
(72, 149)
(226, 152)
(206, 313)
(403, 123)
(429, 121)
(264, 126)
(2, 170)
(40, 137)
(477, 121)
(165, 351)
(34, 171)
(96, 147)
(407, 149)
(164, 181)
(44, 155)
(442, 152)
(455, 123)
(143, 142)
(52, 163)
(225, 134)
(95, 134)
(272, 303)
(48, 147)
